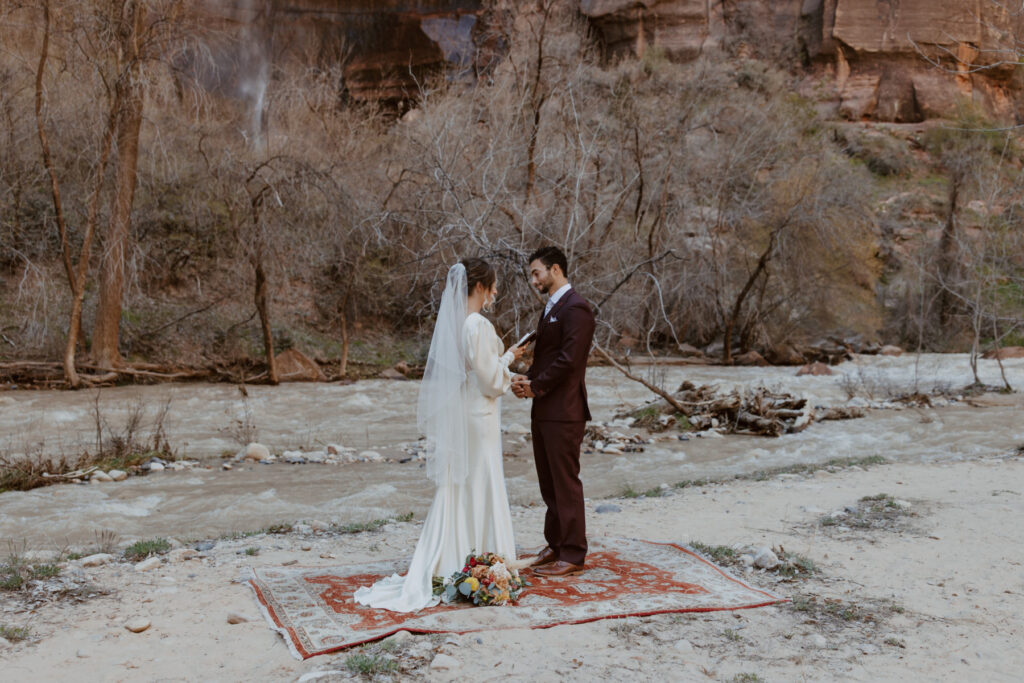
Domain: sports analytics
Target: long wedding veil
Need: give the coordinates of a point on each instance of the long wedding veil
(441, 411)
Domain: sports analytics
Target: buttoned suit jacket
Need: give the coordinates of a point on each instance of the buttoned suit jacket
(557, 375)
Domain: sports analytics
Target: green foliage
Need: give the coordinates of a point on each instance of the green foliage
(140, 550)
(252, 551)
(721, 554)
(883, 154)
(370, 665)
(15, 634)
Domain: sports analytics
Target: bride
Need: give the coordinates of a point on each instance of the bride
(460, 412)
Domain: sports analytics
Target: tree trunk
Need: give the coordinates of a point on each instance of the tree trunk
(128, 104)
(263, 308)
(343, 370)
(737, 308)
(76, 276)
(947, 257)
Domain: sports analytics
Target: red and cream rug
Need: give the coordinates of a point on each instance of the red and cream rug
(313, 607)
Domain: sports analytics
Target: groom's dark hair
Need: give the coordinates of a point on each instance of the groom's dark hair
(551, 256)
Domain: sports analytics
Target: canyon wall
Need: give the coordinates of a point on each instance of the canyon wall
(885, 60)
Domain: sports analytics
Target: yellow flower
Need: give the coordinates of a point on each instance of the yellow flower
(473, 584)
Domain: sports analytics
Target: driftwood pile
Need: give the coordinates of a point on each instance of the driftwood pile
(758, 411)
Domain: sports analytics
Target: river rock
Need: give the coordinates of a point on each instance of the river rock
(747, 560)
(97, 559)
(516, 428)
(816, 640)
(256, 451)
(295, 366)
(100, 475)
(318, 525)
(604, 508)
(684, 647)
(890, 350)
(148, 564)
(1004, 353)
(399, 637)
(138, 624)
(294, 457)
(203, 546)
(766, 559)
(117, 475)
(749, 358)
(442, 661)
(182, 554)
(317, 675)
(816, 369)
(156, 467)
(391, 373)
(371, 456)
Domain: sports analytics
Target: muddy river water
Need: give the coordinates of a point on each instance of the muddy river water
(205, 421)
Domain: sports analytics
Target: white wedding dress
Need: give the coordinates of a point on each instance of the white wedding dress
(472, 515)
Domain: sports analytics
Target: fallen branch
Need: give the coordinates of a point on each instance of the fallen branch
(657, 390)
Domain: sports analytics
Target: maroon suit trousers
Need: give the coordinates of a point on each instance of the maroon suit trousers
(556, 450)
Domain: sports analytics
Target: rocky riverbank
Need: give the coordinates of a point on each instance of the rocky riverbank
(881, 594)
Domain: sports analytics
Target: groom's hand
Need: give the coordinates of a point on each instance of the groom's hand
(521, 387)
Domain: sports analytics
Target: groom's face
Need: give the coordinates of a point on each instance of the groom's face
(541, 277)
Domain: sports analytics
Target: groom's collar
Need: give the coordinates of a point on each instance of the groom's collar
(553, 299)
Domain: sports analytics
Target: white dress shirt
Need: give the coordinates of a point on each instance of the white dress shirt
(553, 299)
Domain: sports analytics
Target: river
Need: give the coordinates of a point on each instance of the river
(206, 421)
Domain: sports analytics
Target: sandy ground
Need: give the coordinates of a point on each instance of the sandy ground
(934, 595)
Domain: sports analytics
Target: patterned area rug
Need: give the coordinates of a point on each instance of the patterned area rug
(313, 608)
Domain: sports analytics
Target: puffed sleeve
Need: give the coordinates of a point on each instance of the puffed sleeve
(483, 351)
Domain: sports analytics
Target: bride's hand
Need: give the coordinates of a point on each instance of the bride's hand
(517, 352)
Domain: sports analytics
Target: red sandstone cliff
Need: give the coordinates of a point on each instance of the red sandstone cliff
(870, 55)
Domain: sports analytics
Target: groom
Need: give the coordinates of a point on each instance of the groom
(555, 382)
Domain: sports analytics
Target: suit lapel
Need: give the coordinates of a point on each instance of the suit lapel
(559, 304)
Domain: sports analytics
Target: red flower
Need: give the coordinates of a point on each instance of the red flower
(465, 570)
(472, 562)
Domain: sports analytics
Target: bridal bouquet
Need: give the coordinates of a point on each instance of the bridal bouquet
(485, 580)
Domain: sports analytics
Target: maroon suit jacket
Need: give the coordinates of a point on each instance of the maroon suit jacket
(560, 361)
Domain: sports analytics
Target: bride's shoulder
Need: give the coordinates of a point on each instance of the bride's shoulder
(477, 322)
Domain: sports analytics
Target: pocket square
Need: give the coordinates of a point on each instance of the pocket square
(552, 319)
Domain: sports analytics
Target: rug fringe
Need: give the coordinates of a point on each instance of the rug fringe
(282, 631)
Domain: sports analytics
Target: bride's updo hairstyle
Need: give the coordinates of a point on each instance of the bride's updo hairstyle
(478, 270)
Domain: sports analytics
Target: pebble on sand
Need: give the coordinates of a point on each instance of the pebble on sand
(607, 507)
(182, 554)
(146, 565)
(443, 661)
(256, 451)
(236, 618)
(816, 640)
(97, 559)
(766, 559)
(138, 624)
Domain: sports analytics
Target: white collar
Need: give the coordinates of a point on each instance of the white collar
(553, 299)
